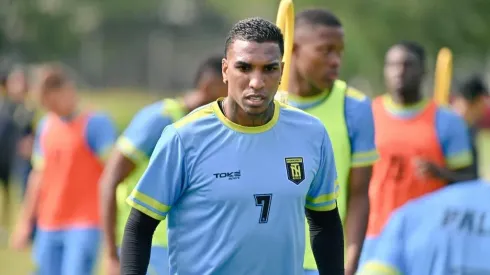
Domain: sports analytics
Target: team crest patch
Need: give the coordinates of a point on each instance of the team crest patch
(295, 169)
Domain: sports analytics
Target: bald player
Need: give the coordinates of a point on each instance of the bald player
(346, 113)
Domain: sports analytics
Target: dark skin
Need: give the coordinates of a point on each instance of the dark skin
(317, 55)
(253, 73)
(209, 87)
(404, 73)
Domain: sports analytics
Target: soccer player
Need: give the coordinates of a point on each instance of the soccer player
(130, 159)
(7, 150)
(470, 103)
(422, 146)
(23, 116)
(69, 151)
(235, 176)
(345, 112)
(453, 237)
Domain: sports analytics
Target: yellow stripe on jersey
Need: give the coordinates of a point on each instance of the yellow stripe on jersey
(327, 207)
(355, 94)
(37, 162)
(194, 116)
(160, 207)
(127, 148)
(326, 197)
(364, 158)
(378, 268)
(458, 161)
(144, 210)
(244, 129)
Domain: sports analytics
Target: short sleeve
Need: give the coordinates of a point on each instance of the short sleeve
(164, 180)
(323, 191)
(101, 134)
(360, 124)
(139, 139)
(455, 139)
(37, 158)
(387, 257)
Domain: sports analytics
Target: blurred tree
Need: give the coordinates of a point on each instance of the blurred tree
(373, 25)
(51, 29)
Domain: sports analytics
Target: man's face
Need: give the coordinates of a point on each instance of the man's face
(253, 71)
(317, 54)
(471, 110)
(61, 101)
(17, 86)
(403, 71)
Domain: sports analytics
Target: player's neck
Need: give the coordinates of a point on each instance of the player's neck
(300, 87)
(237, 115)
(406, 100)
(193, 100)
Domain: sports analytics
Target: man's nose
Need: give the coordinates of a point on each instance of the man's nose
(256, 81)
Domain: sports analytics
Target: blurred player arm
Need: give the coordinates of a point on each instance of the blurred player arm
(27, 217)
(326, 234)
(26, 143)
(387, 259)
(455, 142)
(363, 157)
(133, 148)
(159, 188)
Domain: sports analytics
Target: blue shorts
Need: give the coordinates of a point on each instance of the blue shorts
(311, 272)
(63, 252)
(158, 261)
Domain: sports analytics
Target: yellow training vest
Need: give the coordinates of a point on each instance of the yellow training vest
(332, 113)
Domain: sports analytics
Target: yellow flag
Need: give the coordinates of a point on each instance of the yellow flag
(443, 76)
(285, 21)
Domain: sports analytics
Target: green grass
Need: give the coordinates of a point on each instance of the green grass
(122, 106)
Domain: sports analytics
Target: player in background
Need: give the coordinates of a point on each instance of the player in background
(423, 147)
(7, 151)
(345, 112)
(17, 90)
(233, 176)
(69, 151)
(453, 237)
(470, 103)
(130, 159)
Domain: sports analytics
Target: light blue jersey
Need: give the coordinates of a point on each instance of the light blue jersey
(443, 233)
(235, 196)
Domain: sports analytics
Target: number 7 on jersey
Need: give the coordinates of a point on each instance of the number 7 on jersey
(264, 201)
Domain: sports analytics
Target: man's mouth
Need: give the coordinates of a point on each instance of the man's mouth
(255, 100)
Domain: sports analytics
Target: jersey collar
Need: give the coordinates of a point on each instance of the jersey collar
(246, 129)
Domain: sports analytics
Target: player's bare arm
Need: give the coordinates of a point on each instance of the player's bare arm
(117, 169)
(25, 225)
(357, 215)
(427, 168)
(327, 241)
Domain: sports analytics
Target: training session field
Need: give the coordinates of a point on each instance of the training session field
(122, 106)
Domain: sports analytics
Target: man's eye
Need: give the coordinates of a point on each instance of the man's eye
(243, 68)
(271, 68)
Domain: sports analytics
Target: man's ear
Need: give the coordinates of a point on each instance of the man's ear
(224, 70)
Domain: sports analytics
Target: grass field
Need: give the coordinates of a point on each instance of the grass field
(122, 108)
